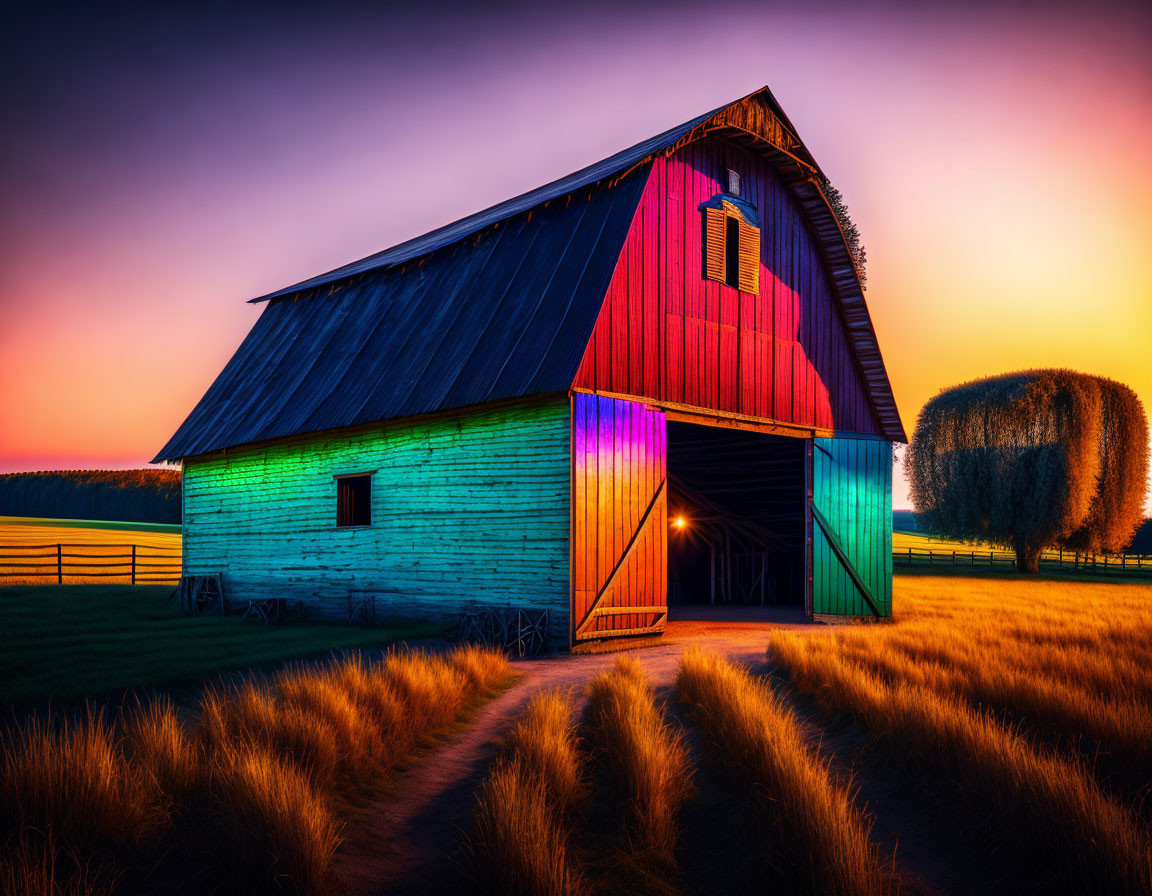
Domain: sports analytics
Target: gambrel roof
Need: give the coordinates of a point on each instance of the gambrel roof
(497, 305)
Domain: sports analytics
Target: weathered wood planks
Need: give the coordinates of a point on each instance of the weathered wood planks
(466, 507)
(852, 495)
(668, 333)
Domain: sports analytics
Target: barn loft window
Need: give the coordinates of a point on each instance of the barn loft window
(354, 500)
(733, 182)
(732, 243)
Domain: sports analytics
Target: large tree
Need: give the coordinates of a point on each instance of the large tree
(1029, 460)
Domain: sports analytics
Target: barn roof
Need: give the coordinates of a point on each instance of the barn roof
(497, 305)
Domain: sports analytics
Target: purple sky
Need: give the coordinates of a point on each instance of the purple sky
(160, 167)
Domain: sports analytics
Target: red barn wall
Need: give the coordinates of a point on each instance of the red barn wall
(667, 334)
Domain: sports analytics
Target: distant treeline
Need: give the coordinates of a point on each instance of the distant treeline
(137, 496)
(905, 521)
(1142, 540)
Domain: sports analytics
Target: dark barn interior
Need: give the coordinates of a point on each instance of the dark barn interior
(736, 513)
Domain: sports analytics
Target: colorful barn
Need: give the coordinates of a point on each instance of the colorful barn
(651, 383)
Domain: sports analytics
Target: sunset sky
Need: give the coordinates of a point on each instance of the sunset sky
(160, 168)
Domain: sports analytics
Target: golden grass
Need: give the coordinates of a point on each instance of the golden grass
(544, 743)
(1070, 663)
(817, 834)
(522, 826)
(1002, 689)
(259, 777)
(75, 785)
(277, 828)
(31, 867)
(160, 746)
(645, 758)
(21, 535)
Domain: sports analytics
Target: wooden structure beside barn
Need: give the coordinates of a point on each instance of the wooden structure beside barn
(655, 379)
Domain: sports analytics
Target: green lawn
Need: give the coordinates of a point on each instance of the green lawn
(62, 642)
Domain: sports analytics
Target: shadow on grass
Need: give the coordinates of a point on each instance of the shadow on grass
(65, 643)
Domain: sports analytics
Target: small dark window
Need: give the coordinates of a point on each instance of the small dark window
(354, 500)
(732, 252)
(733, 182)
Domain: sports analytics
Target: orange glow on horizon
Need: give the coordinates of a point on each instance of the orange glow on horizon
(999, 178)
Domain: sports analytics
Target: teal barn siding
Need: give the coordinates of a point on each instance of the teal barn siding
(468, 506)
(852, 492)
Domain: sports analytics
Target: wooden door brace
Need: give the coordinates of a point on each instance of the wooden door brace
(838, 549)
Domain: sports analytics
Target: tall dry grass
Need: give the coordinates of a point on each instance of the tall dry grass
(73, 809)
(276, 828)
(74, 784)
(928, 687)
(258, 780)
(161, 747)
(646, 759)
(1115, 733)
(522, 828)
(817, 835)
(1070, 666)
(32, 866)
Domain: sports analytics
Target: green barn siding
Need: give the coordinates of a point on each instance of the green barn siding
(468, 507)
(852, 488)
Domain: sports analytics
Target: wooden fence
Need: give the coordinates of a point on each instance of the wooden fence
(68, 563)
(1118, 564)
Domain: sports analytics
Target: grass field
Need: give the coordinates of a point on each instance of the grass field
(995, 737)
(1018, 712)
(921, 541)
(63, 642)
(249, 796)
(1027, 707)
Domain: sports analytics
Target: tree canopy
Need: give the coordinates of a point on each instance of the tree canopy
(851, 232)
(1034, 459)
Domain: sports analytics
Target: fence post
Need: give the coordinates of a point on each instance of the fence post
(59, 565)
(133, 564)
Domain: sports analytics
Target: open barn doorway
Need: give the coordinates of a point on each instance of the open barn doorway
(736, 510)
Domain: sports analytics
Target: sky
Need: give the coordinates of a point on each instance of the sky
(160, 166)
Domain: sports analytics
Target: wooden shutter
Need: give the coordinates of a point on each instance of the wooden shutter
(715, 220)
(749, 258)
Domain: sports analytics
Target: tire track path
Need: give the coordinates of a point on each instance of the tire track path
(408, 840)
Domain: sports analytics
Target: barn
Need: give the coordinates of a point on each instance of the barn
(649, 384)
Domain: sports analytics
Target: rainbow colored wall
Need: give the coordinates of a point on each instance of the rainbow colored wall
(466, 507)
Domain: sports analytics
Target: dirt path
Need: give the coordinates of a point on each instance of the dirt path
(408, 841)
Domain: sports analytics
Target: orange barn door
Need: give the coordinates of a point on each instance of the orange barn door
(619, 518)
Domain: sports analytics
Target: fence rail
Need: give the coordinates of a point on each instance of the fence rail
(138, 564)
(1116, 564)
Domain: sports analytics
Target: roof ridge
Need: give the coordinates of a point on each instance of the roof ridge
(462, 228)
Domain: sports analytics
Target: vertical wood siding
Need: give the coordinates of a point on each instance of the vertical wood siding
(619, 512)
(852, 488)
(666, 332)
(466, 507)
